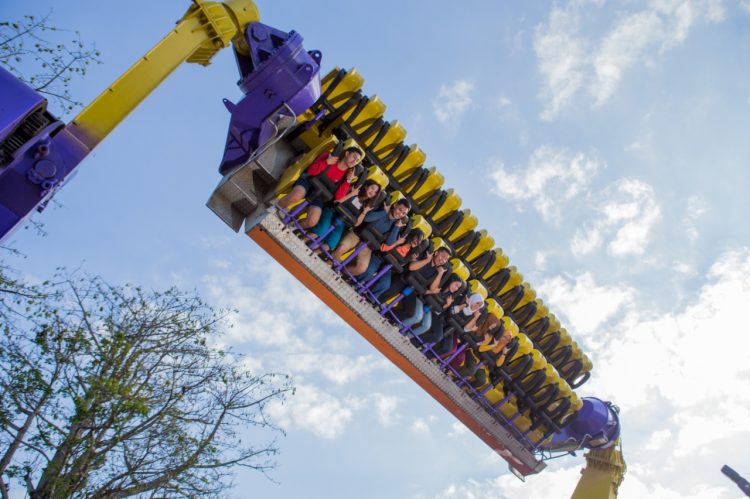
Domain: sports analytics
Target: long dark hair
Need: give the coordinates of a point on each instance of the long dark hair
(363, 193)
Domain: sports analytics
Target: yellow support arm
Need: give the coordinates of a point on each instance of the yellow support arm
(206, 28)
(603, 474)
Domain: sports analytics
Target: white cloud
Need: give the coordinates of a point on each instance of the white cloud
(452, 102)
(628, 213)
(745, 6)
(385, 406)
(549, 483)
(583, 304)
(459, 430)
(421, 426)
(570, 61)
(695, 209)
(314, 410)
(562, 59)
(682, 382)
(551, 178)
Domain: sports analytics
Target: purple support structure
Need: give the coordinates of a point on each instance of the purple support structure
(38, 153)
(597, 425)
(277, 70)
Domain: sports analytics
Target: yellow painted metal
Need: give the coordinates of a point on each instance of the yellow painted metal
(372, 110)
(432, 183)
(437, 242)
(541, 311)
(603, 474)
(206, 28)
(477, 287)
(522, 422)
(419, 222)
(414, 159)
(494, 308)
(395, 196)
(460, 269)
(528, 295)
(345, 89)
(392, 138)
(451, 204)
(510, 325)
(514, 280)
(486, 241)
(554, 323)
(377, 175)
(501, 261)
(495, 394)
(469, 223)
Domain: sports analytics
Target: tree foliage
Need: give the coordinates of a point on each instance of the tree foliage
(115, 391)
(45, 57)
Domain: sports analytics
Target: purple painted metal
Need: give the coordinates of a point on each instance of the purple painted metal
(36, 154)
(340, 265)
(275, 71)
(377, 276)
(597, 425)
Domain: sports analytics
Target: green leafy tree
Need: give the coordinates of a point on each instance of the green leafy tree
(114, 391)
(46, 57)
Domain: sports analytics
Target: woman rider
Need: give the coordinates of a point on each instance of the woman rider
(339, 170)
(361, 199)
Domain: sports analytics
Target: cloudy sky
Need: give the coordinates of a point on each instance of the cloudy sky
(605, 145)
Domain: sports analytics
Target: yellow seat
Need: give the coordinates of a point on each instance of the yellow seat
(377, 175)
(433, 181)
(510, 325)
(345, 88)
(509, 408)
(460, 269)
(525, 346)
(293, 172)
(404, 164)
(522, 422)
(528, 296)
(495, 394)
(438, 242)
(539, 360)
(514, 280)
(485, 242)
(372, 109)
(419, 222)
(395, 196)
(494, 308)
(454, 231)
(541, 311)
(440, 209)
(477, 287)
(554, 323)
(359, 113)
(388, 141)
(490, 263)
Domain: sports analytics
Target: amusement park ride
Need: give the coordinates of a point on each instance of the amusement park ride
(527, 411)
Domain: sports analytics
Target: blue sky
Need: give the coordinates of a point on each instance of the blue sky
(605, 145)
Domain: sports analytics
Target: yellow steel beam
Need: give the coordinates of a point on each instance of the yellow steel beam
(206, 28)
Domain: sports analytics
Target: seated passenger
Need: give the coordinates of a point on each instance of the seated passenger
(339, 170)
(431, 269)
(488, 337)
(360, 199)
(447, 294)
(467, 315)
(387, 221)
(405, 249)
